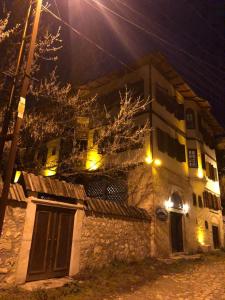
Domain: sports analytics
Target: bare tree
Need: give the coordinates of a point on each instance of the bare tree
(55, 108)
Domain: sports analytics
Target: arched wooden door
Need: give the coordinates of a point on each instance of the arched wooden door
(51, 243)
(176, 226)
(176, 223)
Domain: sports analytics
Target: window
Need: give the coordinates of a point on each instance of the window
(200, 203)
(162, 140)
(169, 102)
(192, 158)
(171, 146)
(107, 189)
(190, 119)
(211, 172)
(206, 225)
(206, 199)
(81, 145)
(54, 151)
(203, 161)
(177, 201)
(194, 199)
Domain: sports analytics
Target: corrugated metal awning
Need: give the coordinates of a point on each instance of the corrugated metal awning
(53, 187)
(111, 208)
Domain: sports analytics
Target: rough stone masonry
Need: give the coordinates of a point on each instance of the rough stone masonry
(10, 241)
(105, 239)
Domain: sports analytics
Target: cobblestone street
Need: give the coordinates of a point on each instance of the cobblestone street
(202, 281)
(198, 277)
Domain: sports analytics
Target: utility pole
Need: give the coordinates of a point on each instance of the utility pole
(9, 108)
(19, 120)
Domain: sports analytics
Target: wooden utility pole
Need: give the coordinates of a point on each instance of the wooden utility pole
(9, 108)
(19, 120)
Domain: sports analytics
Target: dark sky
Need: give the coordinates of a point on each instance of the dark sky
(190, 33)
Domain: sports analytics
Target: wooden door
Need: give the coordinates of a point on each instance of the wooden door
(216, 239)
(176, 232)
(51, 243)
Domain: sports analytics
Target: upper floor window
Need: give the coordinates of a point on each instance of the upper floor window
(54, 151)
(194, 198)
(192, 158)
(200, 202)
(211, 172)
(190, 118)
(169, 102)
(203, 161)
(171, 146)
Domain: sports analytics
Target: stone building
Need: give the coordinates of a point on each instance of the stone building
(52, 229)
(174, 175)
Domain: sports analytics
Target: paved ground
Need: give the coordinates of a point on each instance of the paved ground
(195, 277)
(201, 281)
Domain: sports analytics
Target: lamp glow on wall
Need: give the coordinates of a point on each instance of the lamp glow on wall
(157, 162)
(186, 208)
(200, 236)
(200, 173)
(168, 204)
(93, 160)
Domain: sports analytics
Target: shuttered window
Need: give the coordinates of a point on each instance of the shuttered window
(194, 199)
(200, 203)
(211, 201)
(171, 146)
(203, 161)
(211, 172)
(169, 102)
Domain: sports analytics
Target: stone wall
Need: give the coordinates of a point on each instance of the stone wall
(10, 240)
(105, 239)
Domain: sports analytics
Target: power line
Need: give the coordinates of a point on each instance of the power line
(196, 71)
(100, 47)
(57, 8)
(77, 32)
(184, 34)
(148, 32)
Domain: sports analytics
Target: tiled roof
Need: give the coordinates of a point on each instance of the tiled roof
(16, 192)
(53, 187)
(113, 208)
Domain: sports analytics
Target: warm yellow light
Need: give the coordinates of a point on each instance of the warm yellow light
(168, 204)
(49, 172)
(200, 173)
(200, 236)
(157, 162)
(148, 160)
(94, 160)
(17, 176)
(186, 208)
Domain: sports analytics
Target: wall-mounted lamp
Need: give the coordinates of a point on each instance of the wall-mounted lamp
(157, 162)
(168, 204)
(186, 208)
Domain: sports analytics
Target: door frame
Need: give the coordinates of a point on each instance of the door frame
(183, 230)
(24, 253)
(53, 263)
(219, 237)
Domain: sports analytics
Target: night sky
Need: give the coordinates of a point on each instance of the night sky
(190, 33)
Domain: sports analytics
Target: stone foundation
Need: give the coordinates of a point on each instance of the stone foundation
(10, 241)
(105, 239)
